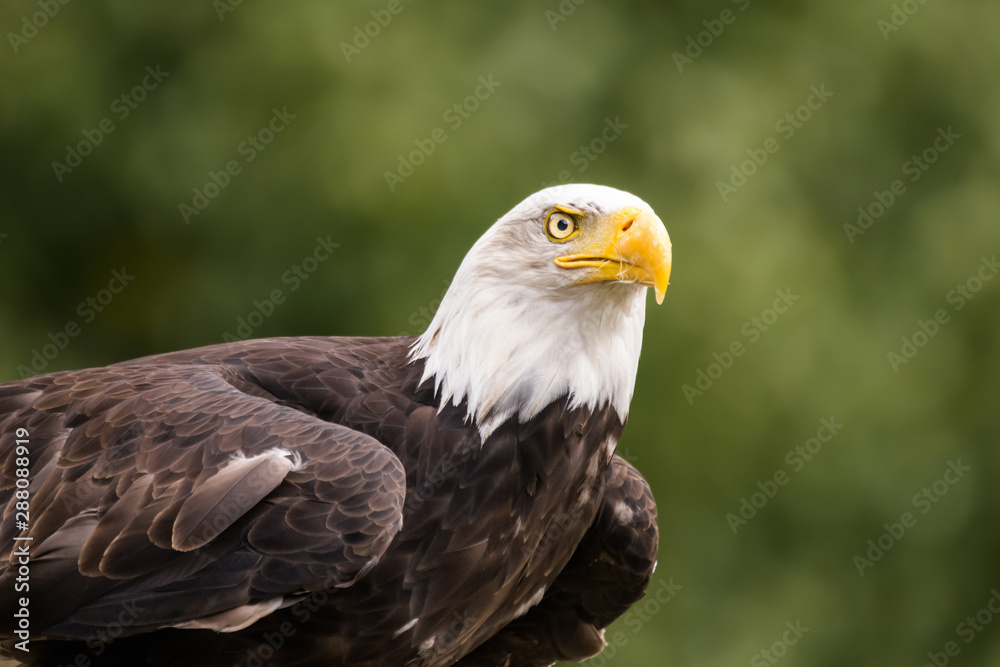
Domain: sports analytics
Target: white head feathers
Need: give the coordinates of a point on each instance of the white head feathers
(515, 332)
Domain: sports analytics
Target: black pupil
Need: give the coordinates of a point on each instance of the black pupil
(563, 225)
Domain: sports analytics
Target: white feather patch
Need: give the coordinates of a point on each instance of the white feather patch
(233, 619)
(535, 599)
(409, 624)
(624, 513)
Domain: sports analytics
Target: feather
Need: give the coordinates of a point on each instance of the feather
(226, 496)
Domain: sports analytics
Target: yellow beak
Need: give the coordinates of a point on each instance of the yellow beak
(632, 246)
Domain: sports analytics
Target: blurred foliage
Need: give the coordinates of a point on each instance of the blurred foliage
(680, 133)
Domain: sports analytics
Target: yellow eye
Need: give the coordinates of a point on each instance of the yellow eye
(560, 226)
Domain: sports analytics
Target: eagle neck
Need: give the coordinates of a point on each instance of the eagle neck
(509, 349)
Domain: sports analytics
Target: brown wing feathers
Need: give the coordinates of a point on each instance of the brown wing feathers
(141, 470)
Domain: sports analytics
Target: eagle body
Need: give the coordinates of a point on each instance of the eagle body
(447, 499)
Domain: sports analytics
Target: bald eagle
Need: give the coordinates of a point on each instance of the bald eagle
(447, 499)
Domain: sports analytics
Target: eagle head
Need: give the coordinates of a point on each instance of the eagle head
(549, 303)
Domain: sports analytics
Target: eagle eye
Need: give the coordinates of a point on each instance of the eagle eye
(560, 226)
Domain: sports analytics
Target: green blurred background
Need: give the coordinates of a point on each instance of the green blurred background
(893, 78)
